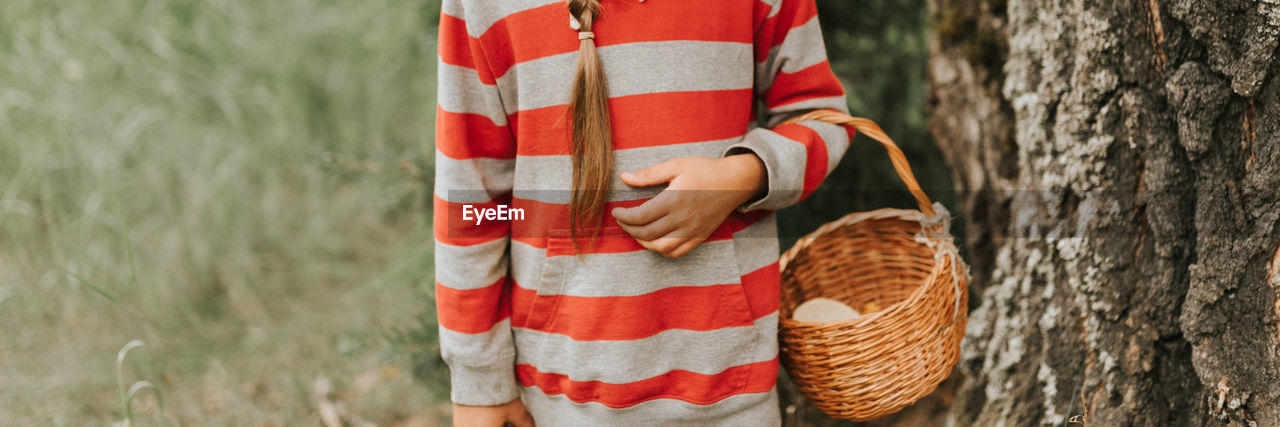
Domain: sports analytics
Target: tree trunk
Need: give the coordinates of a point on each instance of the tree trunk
(1120, 167)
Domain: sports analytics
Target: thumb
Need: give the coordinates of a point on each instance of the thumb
(653, 175)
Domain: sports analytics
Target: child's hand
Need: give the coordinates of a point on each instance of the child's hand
(701, 193)
(513, 413)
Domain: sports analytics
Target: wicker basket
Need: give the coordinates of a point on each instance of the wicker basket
(905, 262)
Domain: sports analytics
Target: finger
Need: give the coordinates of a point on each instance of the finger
(685, 248)
(666, 246)
(677, 243)
(650, 245)
(653, 175)
(653, 230)
(647, 212)
(662, 246)
(522, 419)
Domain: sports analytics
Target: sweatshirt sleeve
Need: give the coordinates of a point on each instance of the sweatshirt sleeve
(475, 158)
(793, 76)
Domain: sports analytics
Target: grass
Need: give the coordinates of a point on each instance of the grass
(239, 184)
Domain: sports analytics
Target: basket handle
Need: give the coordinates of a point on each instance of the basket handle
(873, 131)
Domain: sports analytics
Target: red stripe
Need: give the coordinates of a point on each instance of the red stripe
(458, 48)
(508, 41)
(596, 318)
(763, 289)
(643, 121)
(454, 46)
(546, 226)
(815, 164)
(692, 387)
(451, 229)
(606, 241)
(817, 81)
(760, 14)
(677, 307)
(695, 308)
(475, 310)
(739, 221)
(468, 136)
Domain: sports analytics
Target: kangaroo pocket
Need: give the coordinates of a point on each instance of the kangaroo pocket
(535, 303)
(621, 328)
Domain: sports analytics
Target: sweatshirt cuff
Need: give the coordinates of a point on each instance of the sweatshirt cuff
(483, 386)
(784, 162)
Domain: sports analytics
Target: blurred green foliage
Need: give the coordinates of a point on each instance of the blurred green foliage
(879, 49)
(239, 183)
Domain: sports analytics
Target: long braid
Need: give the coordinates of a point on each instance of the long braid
(592, 135)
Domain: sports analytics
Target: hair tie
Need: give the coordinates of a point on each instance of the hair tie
(584, 35)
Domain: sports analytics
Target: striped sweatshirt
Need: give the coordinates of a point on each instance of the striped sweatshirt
(615, 334)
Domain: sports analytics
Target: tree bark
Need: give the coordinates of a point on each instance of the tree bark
(1120, 167)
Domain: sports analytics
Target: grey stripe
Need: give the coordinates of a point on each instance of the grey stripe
(742, 410)
(526, 264)
(703, 352)
(757, 244)
(784, 159)
(485, 13)
(461, 91)
(483, 386)
(643, 272)
(453, 8)
(477, 180)
(480, 365)
(478, 350)
(802, 48)
(547, 178)
(756, 247)
(834, 137)
(780, 113)
(631, 69)
(470, 267)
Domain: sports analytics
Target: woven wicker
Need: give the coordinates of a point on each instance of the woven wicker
(905, 262)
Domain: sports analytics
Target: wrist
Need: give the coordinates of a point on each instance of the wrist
(752, 174)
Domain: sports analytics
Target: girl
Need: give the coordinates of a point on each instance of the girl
(603, 298)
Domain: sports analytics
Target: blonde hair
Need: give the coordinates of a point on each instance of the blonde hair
(592, 135)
